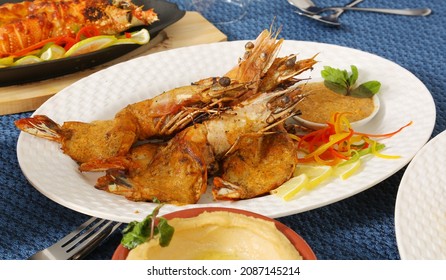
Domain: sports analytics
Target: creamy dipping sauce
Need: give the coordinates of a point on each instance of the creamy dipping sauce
(220, 235)
(320, 103)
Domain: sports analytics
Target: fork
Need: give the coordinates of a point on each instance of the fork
(333, 18)
(80, 242)
(311, 9)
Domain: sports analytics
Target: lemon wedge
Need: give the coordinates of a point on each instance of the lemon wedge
(308, 176)
(6, 61)
(140, 37)
(91, 44)
(53, 52)
(29, 59)
(316, 173)
(347, 170)
(292, 187)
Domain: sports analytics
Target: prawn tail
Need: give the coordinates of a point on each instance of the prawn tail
(224, 190)
(116, 181)
(41, 126)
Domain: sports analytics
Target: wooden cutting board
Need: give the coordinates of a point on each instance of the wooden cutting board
(192, 29)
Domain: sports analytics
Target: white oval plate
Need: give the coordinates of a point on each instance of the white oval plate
(404, 98)
(420, 211)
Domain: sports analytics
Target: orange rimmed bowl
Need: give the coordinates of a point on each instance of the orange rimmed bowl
(296, 240)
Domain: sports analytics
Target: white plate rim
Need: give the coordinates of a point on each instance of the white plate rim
(211, 59)
(420, 233)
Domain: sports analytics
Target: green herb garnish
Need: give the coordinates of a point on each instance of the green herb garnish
(139, 232)
(340, 81)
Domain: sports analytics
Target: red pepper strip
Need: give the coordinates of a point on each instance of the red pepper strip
(334, 143)
(342, 148)
(334, 139)
(39, 45)
(318, 138)
(68, 42)
(325, 158)
(337, 154)
(384, 135)
(87, 32)
(331, 162)
(321, 143)
(315, 139)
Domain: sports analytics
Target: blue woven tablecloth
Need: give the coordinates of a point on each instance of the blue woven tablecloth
(360, 227)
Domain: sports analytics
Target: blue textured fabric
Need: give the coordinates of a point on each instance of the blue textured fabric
(360, 227)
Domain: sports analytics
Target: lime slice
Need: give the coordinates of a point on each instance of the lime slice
(292, 187)
(316, 173)
(345, 171)
(29, 59)
(6, 61)
(90, 45)
(53, 52)
(140, 37)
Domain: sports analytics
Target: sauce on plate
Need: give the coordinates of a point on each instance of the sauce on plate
(320, 102)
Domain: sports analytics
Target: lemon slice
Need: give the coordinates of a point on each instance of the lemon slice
(140, 37)
(316, 173)
(347, 170)
(6, 61)
(292, 187)
(29, 59)
(53, 52)
(91, 44)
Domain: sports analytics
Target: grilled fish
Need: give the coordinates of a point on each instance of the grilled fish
(27, 23)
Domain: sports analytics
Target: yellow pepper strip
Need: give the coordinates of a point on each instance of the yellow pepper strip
(331, 162)
(338, 141)
(375, 152)
(333, 139)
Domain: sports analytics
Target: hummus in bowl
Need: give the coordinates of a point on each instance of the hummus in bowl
(320, 103)
(213, 233)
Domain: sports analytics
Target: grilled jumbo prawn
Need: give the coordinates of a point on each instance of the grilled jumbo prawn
(177, 173)
(27, 23)
(159, 117)
(171, 111)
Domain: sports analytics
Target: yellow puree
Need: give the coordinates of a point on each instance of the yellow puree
(220, 236)
(321, 103)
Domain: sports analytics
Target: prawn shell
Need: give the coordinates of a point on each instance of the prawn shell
(258, 164)
(177, 173)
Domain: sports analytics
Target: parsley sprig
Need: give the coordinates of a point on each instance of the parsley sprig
(139, 232)
(340, 81)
